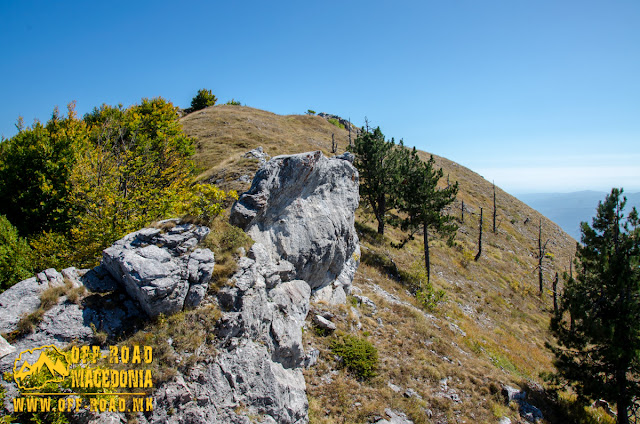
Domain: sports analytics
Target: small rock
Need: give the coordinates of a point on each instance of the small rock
(311, 359)
(5, 347)
(393, 387)
(409, 393)
(322, 322)
(364, 300)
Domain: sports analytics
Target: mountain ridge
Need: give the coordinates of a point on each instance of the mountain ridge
(490, 332)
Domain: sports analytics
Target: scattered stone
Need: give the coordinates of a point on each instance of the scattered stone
(323, 323)
(395, 417)
(505, 420)
(393, 387)
(312, 358)
(409, 393)
(348, 156)
(364, 300)
(257, 153)
(527, 411)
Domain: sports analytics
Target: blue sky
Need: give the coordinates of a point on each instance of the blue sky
(538, 95)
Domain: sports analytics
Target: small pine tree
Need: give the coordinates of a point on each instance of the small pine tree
(377, 163)
(203, 99)
(423, 202)
(598, 320)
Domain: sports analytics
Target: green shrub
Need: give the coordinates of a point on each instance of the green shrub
(359, 356)
(334, 121)
(15, 255)
(233, 102)
(311, 112)
(429, 297)
(203, 99)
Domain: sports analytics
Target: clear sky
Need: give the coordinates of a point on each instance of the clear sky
(539, 95)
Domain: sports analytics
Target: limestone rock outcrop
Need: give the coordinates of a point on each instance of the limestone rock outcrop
(160, 269)
(301, 209)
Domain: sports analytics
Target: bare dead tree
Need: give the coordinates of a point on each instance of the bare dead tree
(462, 213)
(555, 294)
(479, 239)
(494, 207)
(542, 253)
(334, 145)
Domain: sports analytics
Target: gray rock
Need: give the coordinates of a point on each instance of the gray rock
(301, 208)
(511, 393)
(409, 393)
(395, 417)
(323, 323)
(99, 280)
(5, 347)
(393, 387)
(312, 358)
(364, 300)
(157, 270)
(20, 299)
(349, 157)
(505, 420)
(257, 153)
(527, 411)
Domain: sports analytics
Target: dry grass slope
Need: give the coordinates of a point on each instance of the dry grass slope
(491, 329)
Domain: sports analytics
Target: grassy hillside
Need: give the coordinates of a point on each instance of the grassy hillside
(490, 330)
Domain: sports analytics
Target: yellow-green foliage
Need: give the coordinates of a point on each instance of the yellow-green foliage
(135, 169)
(334, 121)
(205, 201)
(51, 250)
(15, 255)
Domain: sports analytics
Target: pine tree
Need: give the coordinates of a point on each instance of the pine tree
(203, 99)
(377, 163)
(423, 202)
(598, 321)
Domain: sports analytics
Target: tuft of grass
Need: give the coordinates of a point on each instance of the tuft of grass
(225, 240)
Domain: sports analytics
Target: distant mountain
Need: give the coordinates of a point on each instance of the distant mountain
(569, 209)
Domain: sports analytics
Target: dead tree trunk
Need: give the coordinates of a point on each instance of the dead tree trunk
(479, 239)
(570, 267)
(427, 262)
(494, 208)
(462, 213)
(334, 145)
(555, 294)
(542, 252)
